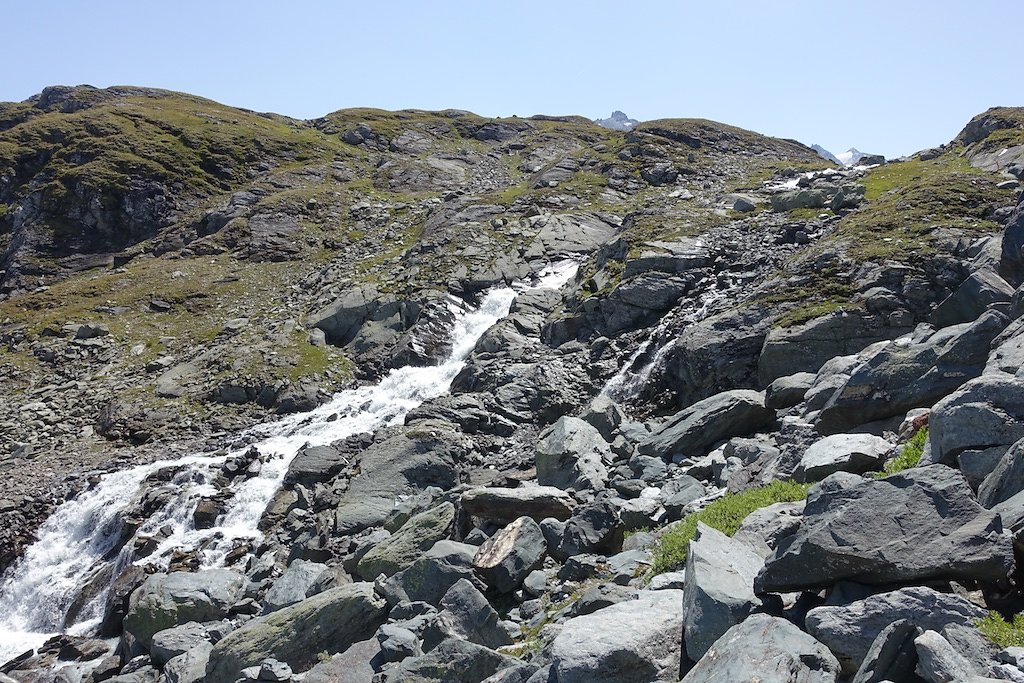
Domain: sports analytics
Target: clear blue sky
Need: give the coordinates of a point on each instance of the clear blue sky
(890, 76)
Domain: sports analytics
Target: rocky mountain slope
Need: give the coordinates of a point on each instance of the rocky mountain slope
(744, 314)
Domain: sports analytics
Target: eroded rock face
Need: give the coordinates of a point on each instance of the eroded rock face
(921, 524)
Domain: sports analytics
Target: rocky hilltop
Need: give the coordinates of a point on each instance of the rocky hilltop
(771, 423)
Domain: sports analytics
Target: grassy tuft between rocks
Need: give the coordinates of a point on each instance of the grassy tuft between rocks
(1001, 632)
(909, 455)
(725, 514)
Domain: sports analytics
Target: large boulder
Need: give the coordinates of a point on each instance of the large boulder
(507, 557)
(857, 453)
(505, 505)
(167, 600)
(693, 430)
(403, 464)
(466, 613)
(719, 589)
(765, 649)
(571, 455)
(712, 355)
(849, 630)
(430, 577)
(806, 347)
(328, 622)
(636, 641)
(921, 524)
(985, 412)
(408, 544)
(314, 464)
(974, 295)
(903, 376)
(293, 585)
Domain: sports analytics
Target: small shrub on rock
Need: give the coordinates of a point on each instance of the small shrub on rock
(1001, 632)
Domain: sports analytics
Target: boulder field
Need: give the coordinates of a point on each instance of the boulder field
(771, 430)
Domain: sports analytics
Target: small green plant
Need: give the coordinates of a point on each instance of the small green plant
(1001, 632)
(725, 514)
(909, 455)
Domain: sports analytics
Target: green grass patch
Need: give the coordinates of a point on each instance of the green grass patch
(909, 455)
(725, 514)
(1001, 632)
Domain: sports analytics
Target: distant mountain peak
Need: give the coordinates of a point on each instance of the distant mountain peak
(617, 121)
(851, 157)
(825, 154)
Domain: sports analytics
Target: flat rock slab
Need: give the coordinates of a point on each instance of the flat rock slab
(504, 505)
(857, 453)
(693, 430)
(921, 524)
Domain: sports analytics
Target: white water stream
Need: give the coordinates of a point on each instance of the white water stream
(630, 379)
(75, 542)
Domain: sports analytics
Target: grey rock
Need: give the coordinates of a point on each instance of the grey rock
(892, 656)
(507, 557)
(856, 453)
(719, 591)
(904, 376)
(273, 670)
(294, 585)
(633, 641)
(806, 347)
(1006, 480)
(330, 621)
(315, 464)
(695, 429)
(167, 600)
(405, 546)
(171, 642)
(397, 643)
(972, 298)
(849, 630)
(351, 666)
(765, 649)
(402, 464)
(504, 505)
(938, 662)
(453, 661)
(592, 529)
(788, 391)
(430, 577)
(571, 454)
(466, 614)
(601, 596)
(985, 412)
(605, 415)
(798, 199)
(773, 523)
(853, 533)
(190, 666)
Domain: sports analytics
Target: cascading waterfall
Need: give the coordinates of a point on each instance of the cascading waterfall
(76, 543)
(627, 383)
